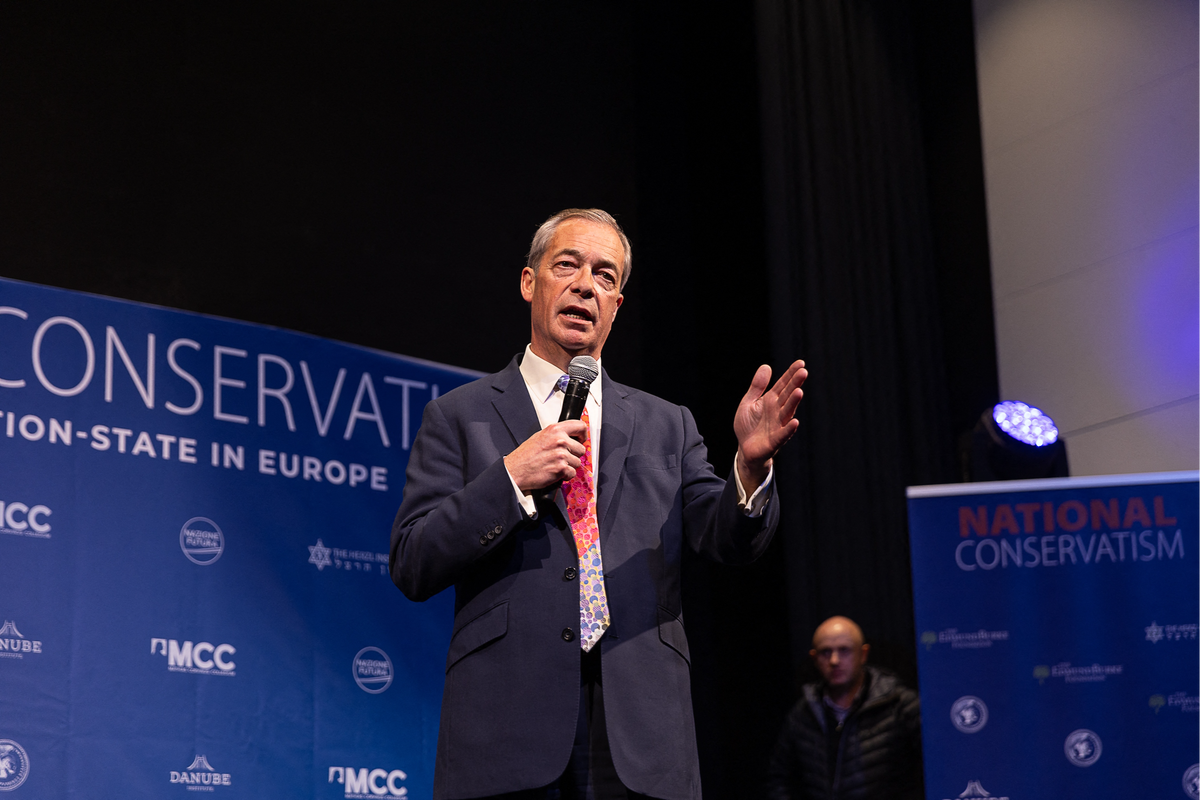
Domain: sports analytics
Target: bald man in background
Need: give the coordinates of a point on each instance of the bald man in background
(854, 735)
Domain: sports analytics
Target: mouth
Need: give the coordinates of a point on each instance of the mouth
(578, 313)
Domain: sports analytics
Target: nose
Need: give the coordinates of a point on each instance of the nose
(584, 284)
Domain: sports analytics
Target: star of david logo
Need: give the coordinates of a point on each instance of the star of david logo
(319, 554)
(1154, 632)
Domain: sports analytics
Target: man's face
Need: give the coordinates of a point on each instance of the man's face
(576, 291)
(839, 654)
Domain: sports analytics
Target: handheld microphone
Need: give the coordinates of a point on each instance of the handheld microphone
(581, 372)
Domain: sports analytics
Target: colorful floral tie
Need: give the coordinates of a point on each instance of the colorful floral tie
(581, 510)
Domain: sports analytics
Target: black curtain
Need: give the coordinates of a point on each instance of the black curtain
(854, 289)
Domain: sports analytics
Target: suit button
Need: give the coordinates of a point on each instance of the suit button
(499, 529)
(569, 574)
(568, 635)
(490, 534)
(483, 540)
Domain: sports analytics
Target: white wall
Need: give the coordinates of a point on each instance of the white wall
(1089, 116)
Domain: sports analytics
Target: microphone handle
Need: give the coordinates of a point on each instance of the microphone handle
(574, 399)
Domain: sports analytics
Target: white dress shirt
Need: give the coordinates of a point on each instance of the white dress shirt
(542, 378)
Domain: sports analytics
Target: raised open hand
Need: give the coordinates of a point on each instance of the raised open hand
(765, 420)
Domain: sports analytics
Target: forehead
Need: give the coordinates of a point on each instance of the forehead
(591, 240)
(838, 636)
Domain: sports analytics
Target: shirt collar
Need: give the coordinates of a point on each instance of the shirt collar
(541, 376)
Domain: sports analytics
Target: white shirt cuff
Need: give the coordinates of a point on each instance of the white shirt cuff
(754, 505)
(524, 500)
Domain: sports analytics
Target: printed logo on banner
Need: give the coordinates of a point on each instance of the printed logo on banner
(372, 670)
(361, 783)
(201, 540)
(975, 790)
(1191, 781)
(964, 640)
(19, 519)
(969, 714)
(1155, 633)
(200, 777)
(14, 765)
(14, 645)
(365, 561)
(1094, 673)
(202, 658)
(1083, 748)
(1183, 701)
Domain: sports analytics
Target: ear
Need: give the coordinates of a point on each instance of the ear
(527, 279)
(813, 655)
(620, 299)
(866, 649)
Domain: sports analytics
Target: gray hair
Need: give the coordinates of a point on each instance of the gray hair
(541, 239)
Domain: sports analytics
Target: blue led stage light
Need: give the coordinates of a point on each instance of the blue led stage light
(1025, 423)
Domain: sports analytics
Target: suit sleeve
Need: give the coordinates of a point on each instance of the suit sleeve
(716, 525)
(445, 524)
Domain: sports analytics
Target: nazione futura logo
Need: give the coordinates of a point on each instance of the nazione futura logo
(14, 765)
(372, 670)
(969, 714)
(1191, 781)
(201, 540)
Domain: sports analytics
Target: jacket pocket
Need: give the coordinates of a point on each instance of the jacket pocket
(484, 629)
(670, 631)
(642, 462)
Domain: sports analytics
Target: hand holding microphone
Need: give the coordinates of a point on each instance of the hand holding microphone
(543, 461)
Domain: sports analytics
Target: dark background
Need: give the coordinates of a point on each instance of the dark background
(799, 179)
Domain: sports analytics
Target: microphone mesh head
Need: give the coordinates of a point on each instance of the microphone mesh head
(584, 368)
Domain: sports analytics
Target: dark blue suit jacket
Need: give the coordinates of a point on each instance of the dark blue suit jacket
(512, 672)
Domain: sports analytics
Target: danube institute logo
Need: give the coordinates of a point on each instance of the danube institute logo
(963, 640)
(1191, 781)
(1083, 748)
(969, 714)
(14, 765)
(975, 791)
(201, 540)
(201, 777)
(372, 670)
(14, 645)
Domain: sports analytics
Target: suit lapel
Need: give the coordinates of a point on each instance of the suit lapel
(615, 435)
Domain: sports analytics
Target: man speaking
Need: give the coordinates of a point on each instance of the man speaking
(568, 669)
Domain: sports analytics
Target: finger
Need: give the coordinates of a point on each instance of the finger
(788, 380)
(762, 377)
(788, 410)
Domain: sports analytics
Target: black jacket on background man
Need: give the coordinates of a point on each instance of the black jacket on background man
(876, 754)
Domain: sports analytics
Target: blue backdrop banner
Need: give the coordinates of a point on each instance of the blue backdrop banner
(1057, 630)
(194, 520)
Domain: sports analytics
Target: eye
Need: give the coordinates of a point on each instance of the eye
(607, 276)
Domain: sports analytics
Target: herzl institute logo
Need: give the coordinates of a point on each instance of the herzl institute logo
(14, 765)
(339, 558)
(364, 784)
(200, 777)
(975, 791)
(14, 645)
(19, 519)
(1083, 748)
(969, 714)
(1156, 633)
(201, 658)
(201, 540)
(372, 670)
